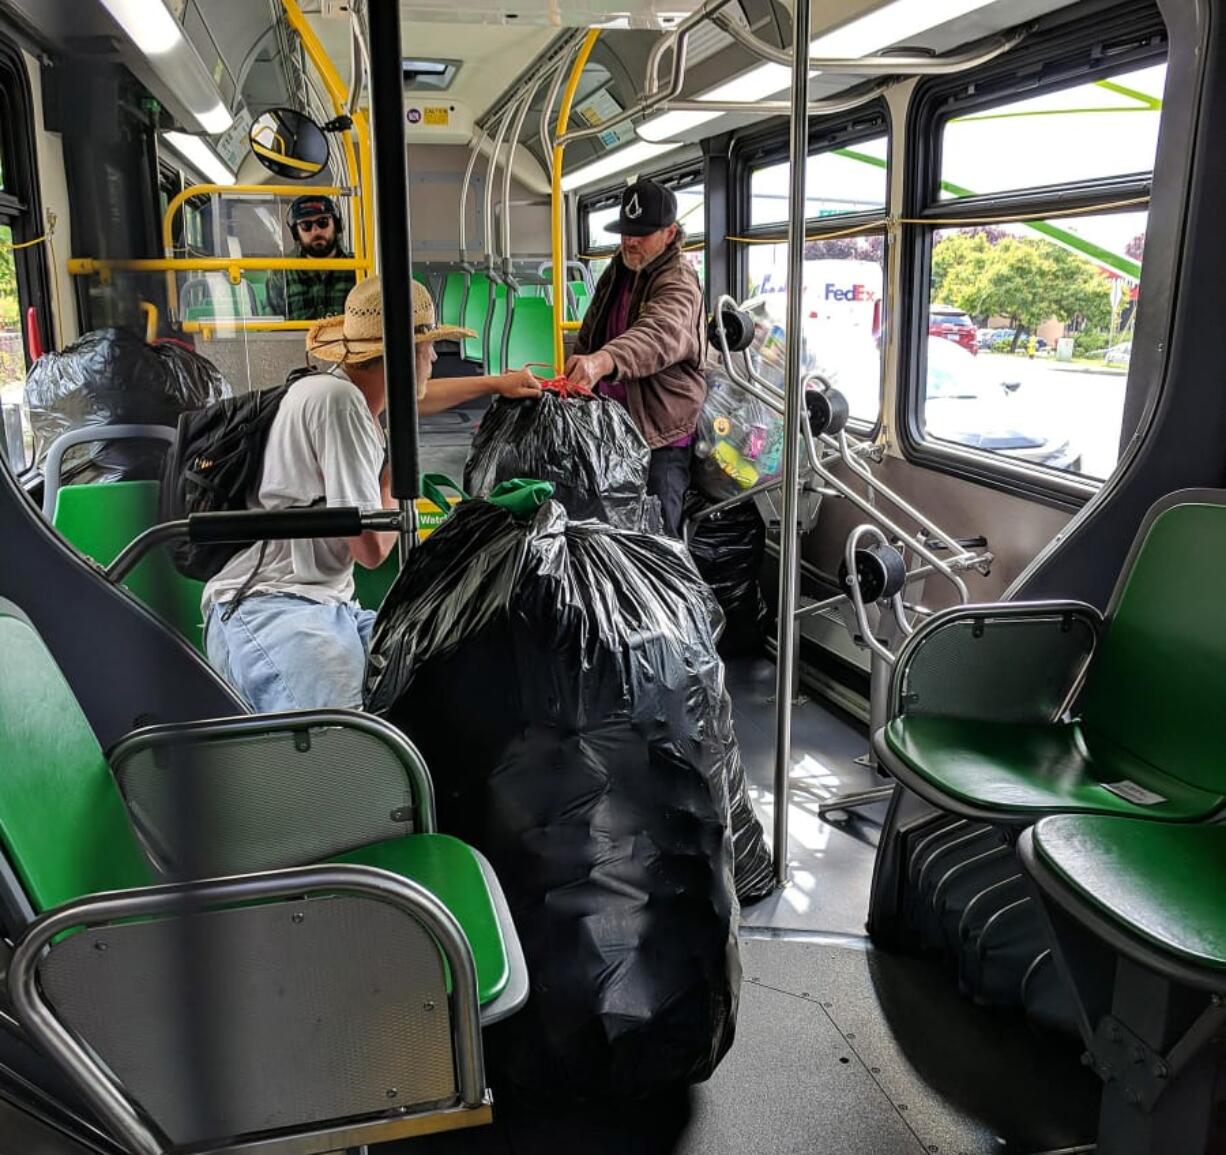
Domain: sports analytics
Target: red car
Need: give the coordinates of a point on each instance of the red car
(952, 324)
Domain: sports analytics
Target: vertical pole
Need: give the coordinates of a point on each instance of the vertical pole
(788, 543)
(395, 260)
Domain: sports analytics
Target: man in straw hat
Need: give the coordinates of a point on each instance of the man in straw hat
(281, 624)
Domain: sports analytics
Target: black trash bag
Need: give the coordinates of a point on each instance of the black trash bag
(589, 448)
(561, 679)
(728, 549)
(112, 377)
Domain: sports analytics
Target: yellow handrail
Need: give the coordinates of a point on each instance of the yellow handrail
(196, 190)
(359, 165)
(234, 266)
(151, 320)
(208, 329)
(559, 257)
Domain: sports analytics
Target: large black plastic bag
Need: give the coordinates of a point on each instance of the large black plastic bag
(728, 549)
(562, 682)
(112, 377)
(588, 447)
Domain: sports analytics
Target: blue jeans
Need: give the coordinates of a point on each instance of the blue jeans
(283, 652)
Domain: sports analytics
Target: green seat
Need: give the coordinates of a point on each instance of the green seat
(476, 309)
(63, 824)
(531, 336)
(67, 833)
(497, 326)
(295, 959)
(370, 586)
(452, 299)
(100, 518)
(1144, 736)
(447, 868)
(582, 299)
(1154, 880)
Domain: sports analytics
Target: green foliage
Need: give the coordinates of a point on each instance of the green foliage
(9, 310)
(1022, 278)
(1090, 343)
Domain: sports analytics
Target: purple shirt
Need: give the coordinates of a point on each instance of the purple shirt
(617, 323)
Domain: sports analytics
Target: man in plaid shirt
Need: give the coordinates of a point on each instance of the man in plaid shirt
(298, 295)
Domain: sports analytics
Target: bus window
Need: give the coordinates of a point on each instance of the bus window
(600, 242)
(17, 440)
(844, 274)
(1029, 329)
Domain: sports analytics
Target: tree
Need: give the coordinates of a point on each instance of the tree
(9, 309)
(1025, 279)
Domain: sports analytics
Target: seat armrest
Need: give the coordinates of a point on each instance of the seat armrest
(1000, 662)
(268, 791)
(238, 927)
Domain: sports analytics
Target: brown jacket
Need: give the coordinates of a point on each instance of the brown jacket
(659, 356)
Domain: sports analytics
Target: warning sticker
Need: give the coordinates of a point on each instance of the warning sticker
(438, 115)
(1134, 793)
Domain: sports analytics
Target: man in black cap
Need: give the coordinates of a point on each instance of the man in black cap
(298, 295)
(642, 340)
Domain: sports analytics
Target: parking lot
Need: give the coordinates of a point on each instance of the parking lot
(1086, 403)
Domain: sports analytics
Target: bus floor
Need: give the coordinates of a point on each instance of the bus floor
(840, 1048)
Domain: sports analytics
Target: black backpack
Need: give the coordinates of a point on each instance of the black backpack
(215, 465)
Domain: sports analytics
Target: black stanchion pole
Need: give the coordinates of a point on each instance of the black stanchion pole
(395, 257)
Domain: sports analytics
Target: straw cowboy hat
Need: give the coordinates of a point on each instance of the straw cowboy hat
(357, 335)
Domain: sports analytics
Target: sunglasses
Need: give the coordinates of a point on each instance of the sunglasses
(320, 223)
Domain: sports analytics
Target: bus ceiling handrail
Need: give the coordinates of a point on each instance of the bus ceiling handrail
(491, 235)
(649, 102)
(529, 95)
(478, 141)
(568, 98)
(882, 64)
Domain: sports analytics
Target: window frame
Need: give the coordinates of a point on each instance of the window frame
(21, 203)
(678, 176)
(1050, 60)
(770, 146)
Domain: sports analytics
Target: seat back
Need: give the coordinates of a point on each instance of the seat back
(100, 518)
(63, 825)
(1157, 684)
(476, 308)
(452, 303)
(582, 298)
(531, 335)
(495, 327)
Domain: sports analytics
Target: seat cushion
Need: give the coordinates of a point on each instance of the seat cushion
(449, 870)
(1021, 771)
(1158, 881)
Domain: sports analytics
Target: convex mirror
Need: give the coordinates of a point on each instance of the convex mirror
(289, 143)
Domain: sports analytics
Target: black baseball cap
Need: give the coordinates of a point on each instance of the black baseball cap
(310, 206)
(646, 208)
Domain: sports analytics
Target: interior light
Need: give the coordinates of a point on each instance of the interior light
(615, 162)
(894, 23)
(425, 67)
(148, 24)
(197, 152)
(156, 33)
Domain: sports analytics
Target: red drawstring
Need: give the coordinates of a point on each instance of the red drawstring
(560, 385)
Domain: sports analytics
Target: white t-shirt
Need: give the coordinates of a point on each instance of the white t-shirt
(323, 443)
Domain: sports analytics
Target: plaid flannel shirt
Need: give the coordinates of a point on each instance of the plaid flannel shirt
(299, 295)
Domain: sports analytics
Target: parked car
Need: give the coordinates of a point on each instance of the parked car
(1119, 354)
(954, 325)
(970, 403)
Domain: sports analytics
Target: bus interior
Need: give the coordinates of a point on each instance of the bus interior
(964, 418)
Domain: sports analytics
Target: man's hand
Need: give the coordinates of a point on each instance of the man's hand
(517, 384)
(586, 369)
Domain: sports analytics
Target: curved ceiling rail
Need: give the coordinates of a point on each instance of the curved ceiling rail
(655, 100)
